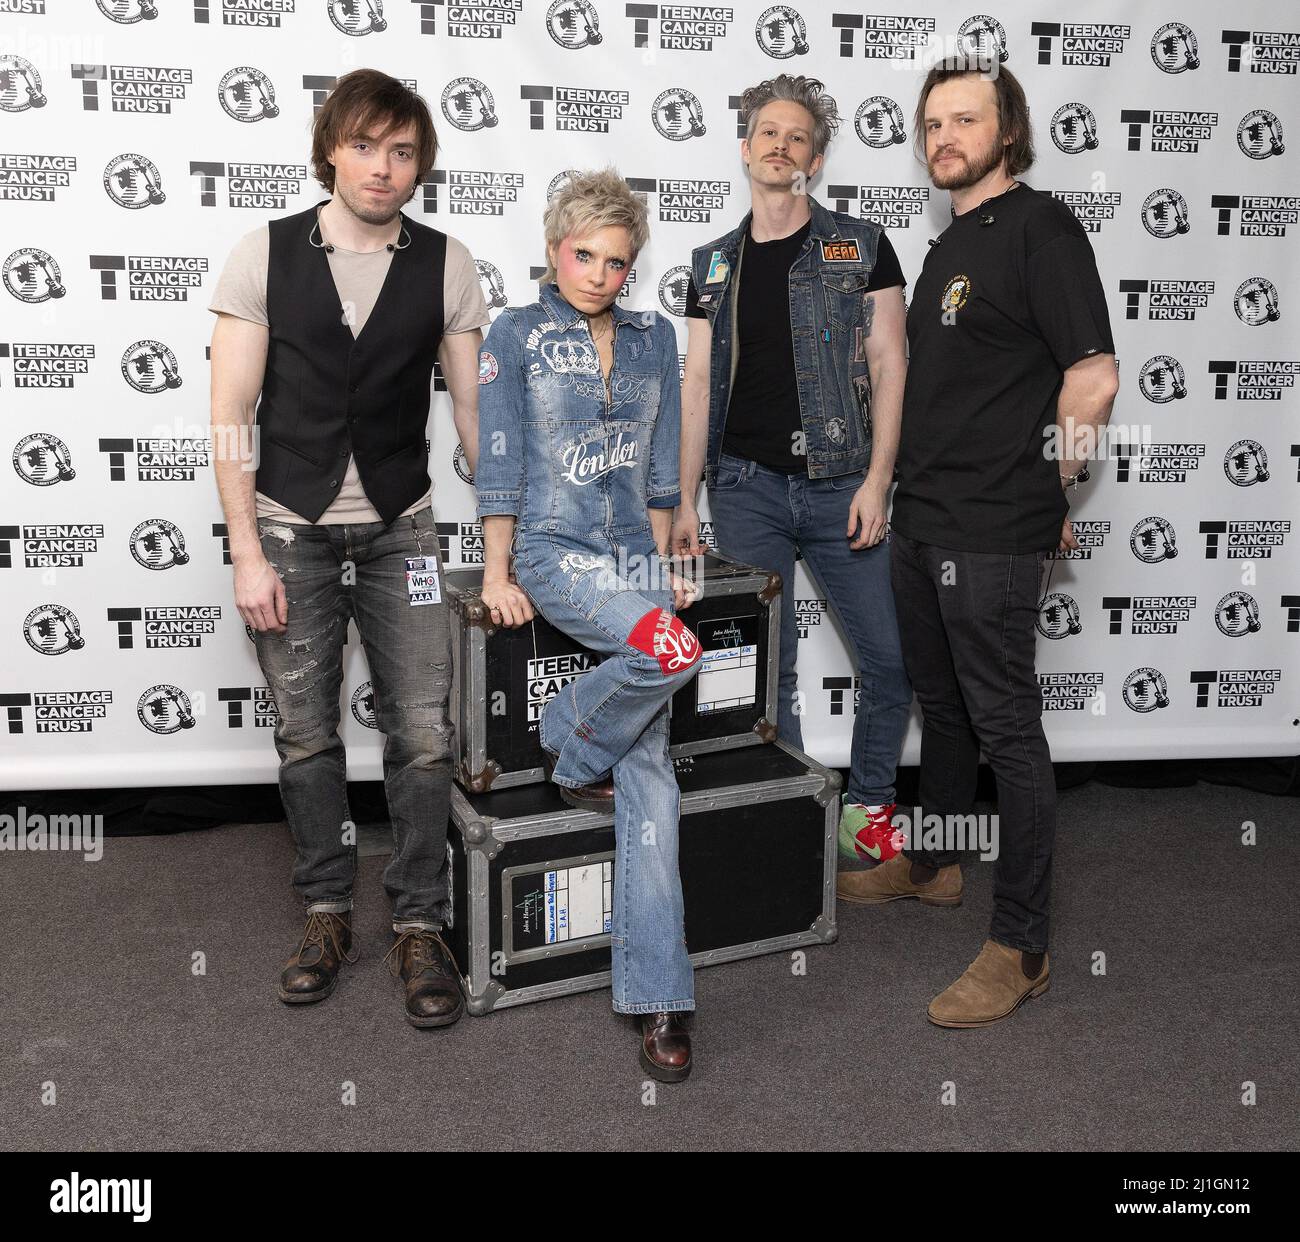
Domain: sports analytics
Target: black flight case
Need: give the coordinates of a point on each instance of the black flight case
(532, 878)
(502, 677)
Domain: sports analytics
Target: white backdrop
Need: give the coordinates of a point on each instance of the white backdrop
(139, 145)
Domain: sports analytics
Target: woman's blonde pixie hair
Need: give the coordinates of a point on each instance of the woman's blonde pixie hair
(591, 201)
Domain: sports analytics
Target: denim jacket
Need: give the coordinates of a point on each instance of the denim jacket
(554, 450)
(828, 280)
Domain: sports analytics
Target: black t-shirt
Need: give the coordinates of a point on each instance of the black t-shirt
(1024, 302)
(763, 421)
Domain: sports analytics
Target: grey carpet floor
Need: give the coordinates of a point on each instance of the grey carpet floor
(1200, 995)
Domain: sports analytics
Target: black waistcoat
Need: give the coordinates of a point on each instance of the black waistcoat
(327, 395)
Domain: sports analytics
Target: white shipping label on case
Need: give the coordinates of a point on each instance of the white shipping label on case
(728, 676)
(578, 902)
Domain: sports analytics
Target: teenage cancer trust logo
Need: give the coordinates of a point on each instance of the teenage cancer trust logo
(1162, 379)
(1058, 616)
(128, 12)
(573, 24)
(983, 39)
(1152, 541)
(781, 32)
(1255, 301)
(1074, 128)
(53, 629)
(20, 85)
(1237, 614)
(33, 275)
(248, 95)
(1164, 213)
(158, 544)
(132, 181)
(165, 708)
(356, 18)
(150, 367)
(1259, 134)
(1146, 690)
(468, 104)
(879, 122)
(42, 460)
(1174, 49)
(677, 115)
(1246, 463)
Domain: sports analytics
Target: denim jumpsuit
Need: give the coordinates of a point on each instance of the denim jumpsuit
(577, 468)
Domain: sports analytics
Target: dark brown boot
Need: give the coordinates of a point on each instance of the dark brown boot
(665, 1046)
(311, 973)
(598, 796)
(425, 965)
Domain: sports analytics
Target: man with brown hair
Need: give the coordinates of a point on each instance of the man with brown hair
(335, 316)
(1011, 358)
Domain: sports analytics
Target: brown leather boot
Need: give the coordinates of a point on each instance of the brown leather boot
(425, 965)
(665, 1047)
(994, 986)
(598, 796)
(896, 879)
(311, 973)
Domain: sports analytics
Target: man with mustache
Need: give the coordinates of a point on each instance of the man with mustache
(790, 405)
(1012, 371)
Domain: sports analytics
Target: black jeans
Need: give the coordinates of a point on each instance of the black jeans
(967, 624)
(331, 574)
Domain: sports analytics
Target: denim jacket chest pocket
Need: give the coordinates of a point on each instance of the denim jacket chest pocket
(844, 290)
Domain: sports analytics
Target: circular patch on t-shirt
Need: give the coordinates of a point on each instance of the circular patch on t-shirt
(487, 367)
(955, 293)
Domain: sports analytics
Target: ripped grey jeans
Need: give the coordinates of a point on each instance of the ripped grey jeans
(331, 573)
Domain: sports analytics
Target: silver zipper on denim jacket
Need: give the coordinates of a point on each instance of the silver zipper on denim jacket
(609, 388)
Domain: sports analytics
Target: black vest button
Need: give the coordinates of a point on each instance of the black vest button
(334, 482)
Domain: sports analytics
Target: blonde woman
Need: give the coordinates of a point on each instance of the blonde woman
(579, 424)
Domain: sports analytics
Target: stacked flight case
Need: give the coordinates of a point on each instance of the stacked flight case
(532, 878)
(502, 677)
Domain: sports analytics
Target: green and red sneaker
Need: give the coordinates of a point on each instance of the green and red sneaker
(867, 835)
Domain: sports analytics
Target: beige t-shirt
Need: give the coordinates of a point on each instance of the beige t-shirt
(241, 291)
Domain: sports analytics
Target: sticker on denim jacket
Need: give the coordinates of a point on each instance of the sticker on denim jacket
(422, 586)
(487, 367)
(719, 268)
(845, 250)
(862, 392)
